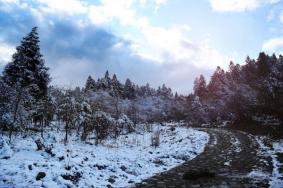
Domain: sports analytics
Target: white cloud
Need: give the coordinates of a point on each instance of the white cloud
(281, 17)
(6, 52)
(156, 3)
(7, 5)
(159, 3)
(173, 46)
(69, 7)
(273, 44)
(238, 5)
(112, 9)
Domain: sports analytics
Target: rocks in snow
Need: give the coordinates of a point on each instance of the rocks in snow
(123, 168)
(74, 178)
(30, 167)
(61, 158)
(111, 180)
(40, 175)
(100, 167)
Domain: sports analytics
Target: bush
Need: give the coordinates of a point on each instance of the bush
(102, 125)
(125, 125)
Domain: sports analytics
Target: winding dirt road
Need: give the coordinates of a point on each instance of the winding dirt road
(231, 155)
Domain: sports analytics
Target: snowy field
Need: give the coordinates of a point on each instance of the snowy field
(117, 163)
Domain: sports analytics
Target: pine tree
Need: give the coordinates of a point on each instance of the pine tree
(90, 84)
(28, 79)
(107, 80)
(217, 80)
(165, 92)
(129, 90)
(27, 69)
(117, 89)
(200, 86)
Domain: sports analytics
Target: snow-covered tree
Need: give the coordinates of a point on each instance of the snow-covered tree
(68, 112)
(27, 69)
(27, 75)
(129, 90)
(90, 84)
(200, 86)
(117, 88)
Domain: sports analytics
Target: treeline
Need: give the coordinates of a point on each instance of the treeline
(139, 103)
(250, 93)
(104, 107)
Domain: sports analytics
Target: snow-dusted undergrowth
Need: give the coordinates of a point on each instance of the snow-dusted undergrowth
(119, 163)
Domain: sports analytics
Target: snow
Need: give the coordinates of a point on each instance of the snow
(124, 161)
(227, 163)
(5, 151)
(257, 174)
(236, 144)
(276, 179)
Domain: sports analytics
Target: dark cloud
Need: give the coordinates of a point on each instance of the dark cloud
(74, 51)
(15, 23)
(66, 39)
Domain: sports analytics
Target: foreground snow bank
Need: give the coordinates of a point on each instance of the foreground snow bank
(119, 163)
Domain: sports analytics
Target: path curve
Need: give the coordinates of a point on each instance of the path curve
(230, 154)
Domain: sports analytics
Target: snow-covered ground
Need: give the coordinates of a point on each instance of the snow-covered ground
(119, 163)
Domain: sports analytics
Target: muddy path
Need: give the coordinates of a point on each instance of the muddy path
(230, 159)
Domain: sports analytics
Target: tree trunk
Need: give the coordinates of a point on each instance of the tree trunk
(66, 132)
(15, 114)
(41, 125)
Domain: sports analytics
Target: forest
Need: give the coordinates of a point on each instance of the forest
(248, 94)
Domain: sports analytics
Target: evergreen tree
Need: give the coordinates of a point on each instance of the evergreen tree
(27, 69)
(129, 90)
(90, 84)
(148, 90)
(28, 79)
(200, 86)
(117, 89)
(164, 91)
(107, 80)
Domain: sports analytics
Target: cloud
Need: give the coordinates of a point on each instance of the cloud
(112, 9)
(69, 7)
(173, 46)
(238, 5)
(158, 4)
(6, 51)
(273, 44)
(6, 5)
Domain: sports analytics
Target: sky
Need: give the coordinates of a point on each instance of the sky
(148, 41)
